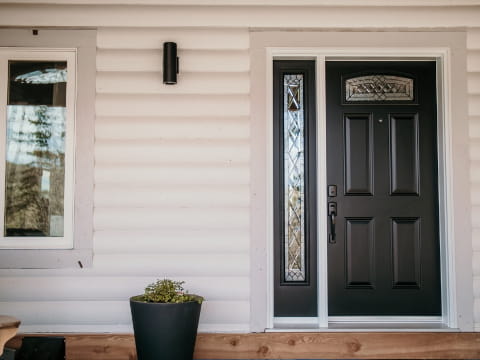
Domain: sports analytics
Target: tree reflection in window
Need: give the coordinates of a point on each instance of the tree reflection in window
(35, 153)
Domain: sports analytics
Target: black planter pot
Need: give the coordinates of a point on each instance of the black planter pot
(165, 331)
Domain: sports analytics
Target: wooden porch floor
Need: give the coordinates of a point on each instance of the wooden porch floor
(423, 345)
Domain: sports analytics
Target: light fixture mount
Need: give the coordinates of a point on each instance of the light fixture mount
(170, 63)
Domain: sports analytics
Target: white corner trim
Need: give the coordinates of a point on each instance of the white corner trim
(445, 191)
(322, 226)
(269, 187)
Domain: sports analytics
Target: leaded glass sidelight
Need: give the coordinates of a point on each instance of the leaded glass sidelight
(294, 188)
(294, 177)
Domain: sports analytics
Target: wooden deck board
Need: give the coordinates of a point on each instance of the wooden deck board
(288, 346)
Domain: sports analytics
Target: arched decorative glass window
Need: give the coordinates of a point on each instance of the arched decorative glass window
(379, 88)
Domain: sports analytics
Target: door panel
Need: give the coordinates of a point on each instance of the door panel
(360, 254)
(381, 154)
(404, 152)
(358, 151)
(406, 253)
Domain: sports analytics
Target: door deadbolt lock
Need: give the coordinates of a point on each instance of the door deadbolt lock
(332, 190)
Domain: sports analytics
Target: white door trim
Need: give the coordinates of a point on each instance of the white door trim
(445, 157)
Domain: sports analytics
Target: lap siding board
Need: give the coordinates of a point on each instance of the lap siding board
(324, 345)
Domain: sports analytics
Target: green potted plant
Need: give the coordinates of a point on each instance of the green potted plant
(165, 321)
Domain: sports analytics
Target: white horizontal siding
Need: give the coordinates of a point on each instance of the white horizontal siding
(475, 194)
(125, 265)
(474, 83)
(101, 288)
(473, 42)
(474, 104)
(173, 241)
(172, 162)
(151, 38)
(160, 217)
(144, 105)
(188, 83)
(114, 313)
(476, 216)
(171, 187)
(475, 149)
(153, 152)
(476, 287)
(172, 172)
(474, 127)
(476, 239)
(473, 61)
(123, 328)
(71, 312)
(476, 260)
(168, 174)
(172, 166)
(473, 68)
(475, 172)
(173, 265)
(204, 196)
(172, 195)
(191, 61)
(476, 312)
(259, 2)
(301, 17)
(157, 128)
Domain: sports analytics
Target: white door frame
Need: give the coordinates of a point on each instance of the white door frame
(445, 169)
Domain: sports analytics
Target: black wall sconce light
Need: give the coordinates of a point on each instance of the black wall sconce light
(170, 63)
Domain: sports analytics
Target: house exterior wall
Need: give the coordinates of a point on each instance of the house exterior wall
(171, 187)
(172, 163)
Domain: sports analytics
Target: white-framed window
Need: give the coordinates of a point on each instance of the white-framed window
(47, 113)
(37, 126)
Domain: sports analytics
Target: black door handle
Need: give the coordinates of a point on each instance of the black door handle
(332, 213)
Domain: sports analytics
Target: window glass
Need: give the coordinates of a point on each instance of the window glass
(35, 149)
(294, 173)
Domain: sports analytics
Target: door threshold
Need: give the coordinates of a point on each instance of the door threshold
(362, 324)
(370, 328)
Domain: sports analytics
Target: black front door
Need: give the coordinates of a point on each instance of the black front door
(383, 242)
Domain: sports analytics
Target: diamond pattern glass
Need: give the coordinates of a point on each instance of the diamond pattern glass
(379, 88)
(294, 178)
